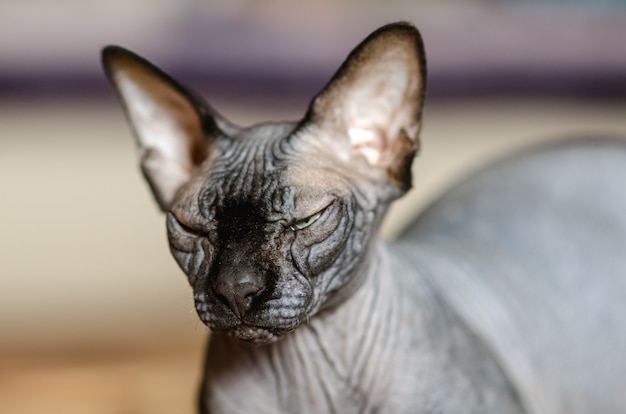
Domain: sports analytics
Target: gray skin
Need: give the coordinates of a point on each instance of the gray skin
(531, 253)
(504, 297)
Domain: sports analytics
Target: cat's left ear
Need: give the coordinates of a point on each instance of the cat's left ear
(375, 100)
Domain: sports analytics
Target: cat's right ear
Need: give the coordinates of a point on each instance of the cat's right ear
(174, 129)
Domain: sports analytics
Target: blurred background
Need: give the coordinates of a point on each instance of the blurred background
(94, 315)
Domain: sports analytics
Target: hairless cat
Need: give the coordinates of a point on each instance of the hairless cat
(508, 295)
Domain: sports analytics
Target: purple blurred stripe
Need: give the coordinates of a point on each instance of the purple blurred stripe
(600, 84)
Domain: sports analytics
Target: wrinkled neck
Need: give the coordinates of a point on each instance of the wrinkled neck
(338, 353)
(390, 347)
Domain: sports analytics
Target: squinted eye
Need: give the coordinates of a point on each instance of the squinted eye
(306, 223)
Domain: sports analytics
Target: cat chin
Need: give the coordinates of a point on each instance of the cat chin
(256, 335)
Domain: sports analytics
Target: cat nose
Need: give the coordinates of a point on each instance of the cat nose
(237, 292)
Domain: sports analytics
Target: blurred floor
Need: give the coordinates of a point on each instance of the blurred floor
(103, 382)
(95, 316)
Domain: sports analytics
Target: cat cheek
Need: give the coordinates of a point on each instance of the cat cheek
(311, 259)
(323, 256)
(182, 248)
(192, 252)
(193, 258)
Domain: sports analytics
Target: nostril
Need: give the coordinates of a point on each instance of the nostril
(222, 298)
(250, 290)
(238, 292)
(243, 295)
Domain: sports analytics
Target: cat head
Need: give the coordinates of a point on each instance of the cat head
(274, 223)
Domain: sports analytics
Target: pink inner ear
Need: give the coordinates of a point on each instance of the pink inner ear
(366, 142)
(167, 125)
(379, 100)
(378, 109)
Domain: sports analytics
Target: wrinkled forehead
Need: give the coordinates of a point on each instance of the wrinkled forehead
(258, 143)
(248, 165)
(263, 170)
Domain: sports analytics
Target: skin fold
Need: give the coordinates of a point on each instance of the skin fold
(506, 296)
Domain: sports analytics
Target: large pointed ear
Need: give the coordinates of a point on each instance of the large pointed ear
(172, 127)
(375, 100)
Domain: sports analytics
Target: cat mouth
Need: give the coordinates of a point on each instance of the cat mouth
(257, 335)
(256, 331)
(261, 326)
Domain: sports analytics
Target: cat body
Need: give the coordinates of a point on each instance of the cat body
(504, 297)
(530, 253)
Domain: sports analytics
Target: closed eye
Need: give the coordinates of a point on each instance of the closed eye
(306, 223)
